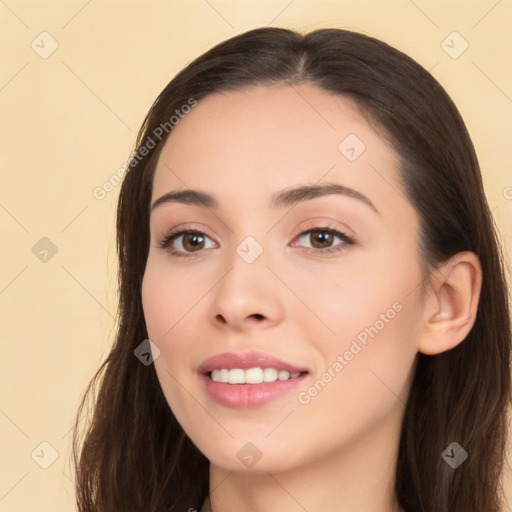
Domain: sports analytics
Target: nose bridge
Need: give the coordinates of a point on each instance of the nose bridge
(246, 289)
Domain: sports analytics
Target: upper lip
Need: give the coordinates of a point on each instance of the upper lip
(247, 360)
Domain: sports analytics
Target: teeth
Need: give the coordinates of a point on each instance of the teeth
(251, 375)
(270, 375)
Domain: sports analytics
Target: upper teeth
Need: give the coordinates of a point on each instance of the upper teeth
(251, 376)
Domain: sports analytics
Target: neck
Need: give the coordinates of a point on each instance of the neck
(359, 478)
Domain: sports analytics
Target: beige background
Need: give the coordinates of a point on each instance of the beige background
(69, 122)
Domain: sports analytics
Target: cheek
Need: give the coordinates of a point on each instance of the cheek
(364, 384)
(168, 295)
(165, 312)
(343, 302)
(367, 357)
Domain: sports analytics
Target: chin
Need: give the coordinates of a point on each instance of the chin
(252, 457)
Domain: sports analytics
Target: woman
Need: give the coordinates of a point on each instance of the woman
(303, 236)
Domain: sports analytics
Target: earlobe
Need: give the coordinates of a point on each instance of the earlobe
(451, 309)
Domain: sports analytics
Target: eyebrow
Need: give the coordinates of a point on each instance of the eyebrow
(287, 197)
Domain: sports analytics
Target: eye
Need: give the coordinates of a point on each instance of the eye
(322, 238)
(192, 241)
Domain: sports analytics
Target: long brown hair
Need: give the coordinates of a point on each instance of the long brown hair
(132, 455)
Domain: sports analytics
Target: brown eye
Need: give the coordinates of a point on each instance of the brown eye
(321, 240)
(321, 237)
(192, 241)
(185, 242)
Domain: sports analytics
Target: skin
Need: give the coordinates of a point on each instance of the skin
(338, 451)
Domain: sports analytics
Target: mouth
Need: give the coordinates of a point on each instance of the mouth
(238, 393)
(250, 379)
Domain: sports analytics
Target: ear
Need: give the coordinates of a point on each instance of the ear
(451, 307)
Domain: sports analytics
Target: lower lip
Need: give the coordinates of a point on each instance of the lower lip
(246, 396)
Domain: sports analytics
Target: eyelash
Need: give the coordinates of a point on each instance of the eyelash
(323, 229)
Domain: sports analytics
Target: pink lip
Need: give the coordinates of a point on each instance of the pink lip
(245, 361)
(245, 396)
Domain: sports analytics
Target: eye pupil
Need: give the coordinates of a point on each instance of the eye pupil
(323, 236)
(193, 236)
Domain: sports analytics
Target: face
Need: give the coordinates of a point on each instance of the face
(326, 283)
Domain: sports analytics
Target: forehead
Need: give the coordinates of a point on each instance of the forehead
(264, 138)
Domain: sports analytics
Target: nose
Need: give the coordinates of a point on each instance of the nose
(247, 296)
